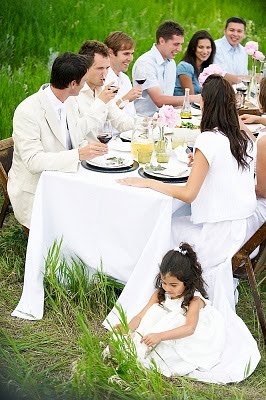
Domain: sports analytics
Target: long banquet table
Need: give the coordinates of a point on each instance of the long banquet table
(125, 229)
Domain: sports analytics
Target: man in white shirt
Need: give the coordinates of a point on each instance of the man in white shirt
(121, 49)
(230, 55)
(95, 99)
(160, 68)
(48, 135)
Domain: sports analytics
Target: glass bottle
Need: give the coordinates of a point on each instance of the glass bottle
(186, 108)
(253, 90)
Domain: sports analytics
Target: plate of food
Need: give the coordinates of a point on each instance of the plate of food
(178, 172)
(111, 161)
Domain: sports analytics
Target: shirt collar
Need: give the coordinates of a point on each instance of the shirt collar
(56, 103)
(97, 91)
(228, 46)
(159, 58)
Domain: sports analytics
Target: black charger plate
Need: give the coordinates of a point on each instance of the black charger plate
(129, 168)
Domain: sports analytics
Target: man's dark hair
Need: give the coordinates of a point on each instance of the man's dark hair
(167, 29)
(66, 68)
(236, 20)
(92, 47)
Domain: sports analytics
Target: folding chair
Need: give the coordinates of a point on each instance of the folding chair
(252, 267)
(6, 154)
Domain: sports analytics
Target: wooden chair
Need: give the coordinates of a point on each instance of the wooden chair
(6, 154)
(252, 267)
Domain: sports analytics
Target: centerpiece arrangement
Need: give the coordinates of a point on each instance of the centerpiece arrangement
(252, 49)
(166, 117)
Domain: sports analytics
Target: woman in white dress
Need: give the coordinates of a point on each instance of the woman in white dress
(178, 329)
(221, 191)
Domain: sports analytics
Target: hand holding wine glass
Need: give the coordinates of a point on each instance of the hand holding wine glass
(140, 76)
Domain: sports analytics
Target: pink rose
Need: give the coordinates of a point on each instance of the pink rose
(251, 47)
(211, 69)
(167, 116)
(258, 55)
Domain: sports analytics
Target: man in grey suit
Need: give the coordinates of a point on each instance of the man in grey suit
(48, 135)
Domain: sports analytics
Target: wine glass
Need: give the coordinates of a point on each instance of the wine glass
(105, 133)
(140, 76)
(115, 85)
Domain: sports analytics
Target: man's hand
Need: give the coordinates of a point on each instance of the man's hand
(248, 118)
(108, 93)
(133, 94)
(92, 150)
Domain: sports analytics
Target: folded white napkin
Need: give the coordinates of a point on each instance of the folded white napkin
(181, 153)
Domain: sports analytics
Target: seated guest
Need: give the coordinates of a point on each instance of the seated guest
(230, 54)
(121, 49)
(160, 68)
(256, 119)
(93, 97)
(199, 55)
(48, 135)
(259, 216)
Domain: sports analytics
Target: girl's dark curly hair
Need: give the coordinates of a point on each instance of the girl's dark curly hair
(184, 266)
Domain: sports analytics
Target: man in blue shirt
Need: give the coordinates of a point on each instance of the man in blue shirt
(230, 55)
(160, 67)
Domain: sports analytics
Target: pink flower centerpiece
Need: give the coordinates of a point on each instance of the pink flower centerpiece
(211, 69)
(252, 49)
(167, 116)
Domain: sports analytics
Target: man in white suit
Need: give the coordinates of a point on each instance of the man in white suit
(48, 135)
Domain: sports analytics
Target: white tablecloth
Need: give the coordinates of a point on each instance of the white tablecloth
(126, 228)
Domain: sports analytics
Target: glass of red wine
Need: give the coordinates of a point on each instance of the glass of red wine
(105, 133)
(140, 76)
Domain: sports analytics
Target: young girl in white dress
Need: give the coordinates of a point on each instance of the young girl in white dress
(178, 329)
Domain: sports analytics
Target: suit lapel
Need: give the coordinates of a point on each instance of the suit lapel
(50, 116)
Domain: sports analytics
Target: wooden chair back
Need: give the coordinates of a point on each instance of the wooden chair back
(6, 155)
(253, 267)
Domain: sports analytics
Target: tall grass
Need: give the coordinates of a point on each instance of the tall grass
(32, 31)
(60, 357)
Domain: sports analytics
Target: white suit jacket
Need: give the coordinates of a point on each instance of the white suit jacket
(39, 146)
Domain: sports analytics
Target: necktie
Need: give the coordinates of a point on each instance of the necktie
(64, 128)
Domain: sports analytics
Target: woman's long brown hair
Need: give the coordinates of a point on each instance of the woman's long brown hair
(219, 112)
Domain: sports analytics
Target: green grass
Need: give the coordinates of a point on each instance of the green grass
(32, 32)
(60, 357)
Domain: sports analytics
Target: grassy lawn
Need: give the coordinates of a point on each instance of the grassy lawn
(60, 357)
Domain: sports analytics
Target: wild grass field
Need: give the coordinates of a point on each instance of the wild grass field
(32, 32)
(60, 357)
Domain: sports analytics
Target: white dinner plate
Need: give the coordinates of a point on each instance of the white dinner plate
(118, 145)
(169, 173)
(255, 127)
(111, 161)
(195, 112)
(127, 135)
